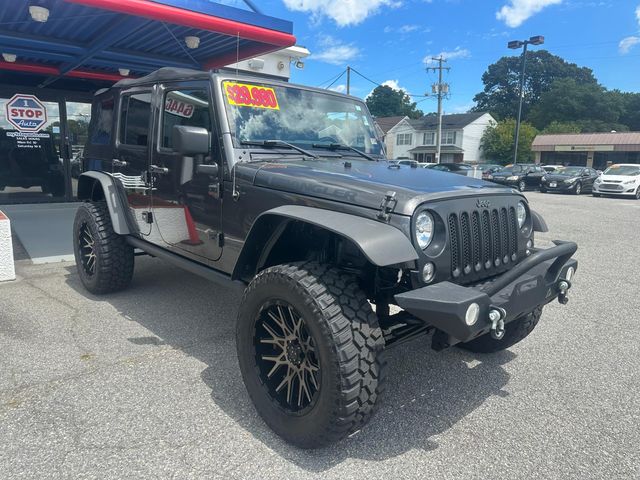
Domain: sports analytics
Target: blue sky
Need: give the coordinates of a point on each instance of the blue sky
(388, 40)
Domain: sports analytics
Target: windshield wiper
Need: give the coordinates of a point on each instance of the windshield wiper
(340, 146)
(279, 143)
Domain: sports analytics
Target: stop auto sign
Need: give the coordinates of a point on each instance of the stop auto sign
(26, 113)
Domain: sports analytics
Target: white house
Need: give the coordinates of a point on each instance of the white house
(416, 139)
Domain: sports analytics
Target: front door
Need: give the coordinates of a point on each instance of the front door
(186, 196)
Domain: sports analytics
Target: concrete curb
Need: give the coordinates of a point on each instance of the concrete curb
(7, 268)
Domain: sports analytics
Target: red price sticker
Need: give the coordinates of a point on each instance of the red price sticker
(244, 95)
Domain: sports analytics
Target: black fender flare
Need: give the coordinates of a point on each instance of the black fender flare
(539, 225)
(114, 196)
(381, 244)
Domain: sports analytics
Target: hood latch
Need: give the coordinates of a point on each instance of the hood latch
(387, 206)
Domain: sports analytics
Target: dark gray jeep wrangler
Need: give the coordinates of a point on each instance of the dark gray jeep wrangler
(284, 191)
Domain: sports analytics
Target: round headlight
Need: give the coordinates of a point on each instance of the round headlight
(522, 214)
(424, 229)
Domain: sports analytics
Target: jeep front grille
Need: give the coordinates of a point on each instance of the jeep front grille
(483, 242)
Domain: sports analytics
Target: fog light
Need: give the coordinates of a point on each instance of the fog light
(428, 272)
(530, 243)
(570, 273)
(473, 312)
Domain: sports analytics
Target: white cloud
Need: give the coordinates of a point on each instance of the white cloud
(343, 12)
(335, 52)
(408, 28)
(339, 88)
(626, 44)
(457, 52)
(516, 12)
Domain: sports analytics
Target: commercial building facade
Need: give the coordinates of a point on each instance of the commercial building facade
(594, 150)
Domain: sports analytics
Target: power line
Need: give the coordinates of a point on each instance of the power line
(334, 78)
(339, 77)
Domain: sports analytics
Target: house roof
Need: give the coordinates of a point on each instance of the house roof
(387, 123)
(449, 122)
(587, 139)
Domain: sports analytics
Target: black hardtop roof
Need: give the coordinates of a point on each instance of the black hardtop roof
(167, 74)
(164, 74)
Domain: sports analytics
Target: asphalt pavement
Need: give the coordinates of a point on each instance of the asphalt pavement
(145, 383)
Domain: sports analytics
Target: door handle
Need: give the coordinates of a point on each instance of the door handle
(119, 163)
(157, 169)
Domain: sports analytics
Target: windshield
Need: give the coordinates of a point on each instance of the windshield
(512, 169)
(572, 171)
(622, 170)
(259, 111)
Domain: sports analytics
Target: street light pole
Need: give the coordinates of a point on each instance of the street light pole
(537, 40)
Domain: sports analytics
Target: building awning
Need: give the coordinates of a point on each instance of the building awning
(94, 39)
(587, 142)
(432, 149)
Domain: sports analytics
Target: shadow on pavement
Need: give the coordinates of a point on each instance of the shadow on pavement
(427, 393)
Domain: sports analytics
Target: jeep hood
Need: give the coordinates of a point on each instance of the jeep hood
(366, 183)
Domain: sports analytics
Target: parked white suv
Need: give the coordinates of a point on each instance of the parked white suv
(620, 179)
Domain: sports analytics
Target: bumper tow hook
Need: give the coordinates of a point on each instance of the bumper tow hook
(563, 287)
(496, 317)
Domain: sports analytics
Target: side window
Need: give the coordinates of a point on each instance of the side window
(102, 121)
(134, 119)
(184, 107)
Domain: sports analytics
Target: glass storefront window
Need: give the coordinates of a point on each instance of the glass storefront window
(31, 166)
(34, 167)
(78, 117)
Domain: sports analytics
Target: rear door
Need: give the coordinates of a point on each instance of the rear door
(187, 204)
(131, 163)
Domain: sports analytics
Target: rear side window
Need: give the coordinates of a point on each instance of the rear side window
(102, 121)
(134, 119)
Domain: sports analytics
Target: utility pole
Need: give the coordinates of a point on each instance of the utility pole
(440, 89)
(348, 80)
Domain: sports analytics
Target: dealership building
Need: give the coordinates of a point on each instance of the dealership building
(596, 150)
(55, 54)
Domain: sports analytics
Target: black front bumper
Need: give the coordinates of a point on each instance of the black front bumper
(560, 186)
(532, 283)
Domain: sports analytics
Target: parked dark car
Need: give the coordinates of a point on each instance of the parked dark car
(489, 169)
(283, 191)
(523, 176)
(574, 180)
(459, 168)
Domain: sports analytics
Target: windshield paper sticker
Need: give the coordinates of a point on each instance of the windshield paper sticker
(245, 95)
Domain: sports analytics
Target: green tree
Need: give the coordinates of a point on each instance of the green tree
(501, 82)
(498, 140)
(588, 105)
(562, 127)
(385, 101)
(630, 115)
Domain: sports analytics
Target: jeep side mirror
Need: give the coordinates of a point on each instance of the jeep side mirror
(190, 140)
(210, 169)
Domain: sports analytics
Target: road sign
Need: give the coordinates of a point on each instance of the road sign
(26, 113)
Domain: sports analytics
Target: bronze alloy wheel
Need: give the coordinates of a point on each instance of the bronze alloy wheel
(87, 246)
(286, 357)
